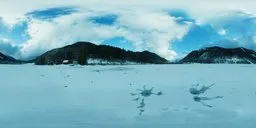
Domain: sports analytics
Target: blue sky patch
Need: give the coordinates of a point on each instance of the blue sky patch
(51, 13)
(196, 38)
(16, 34)
(105, 20)
(8, 49)
(182, 16)
(120, 42)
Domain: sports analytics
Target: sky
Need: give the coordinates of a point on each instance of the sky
(170, 29)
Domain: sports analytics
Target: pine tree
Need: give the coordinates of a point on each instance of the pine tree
(82, 59)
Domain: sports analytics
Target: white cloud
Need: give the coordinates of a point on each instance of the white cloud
(142, 22)
(153, 31)
(4, 40)
(11, 10)
(222, 32)
(45, 35)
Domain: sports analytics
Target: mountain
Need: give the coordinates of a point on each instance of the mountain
(221, 55)
(85, 52)
(4, 59)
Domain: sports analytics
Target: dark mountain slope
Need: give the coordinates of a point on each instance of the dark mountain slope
(80, 52)
(221, 55)
(4, 59)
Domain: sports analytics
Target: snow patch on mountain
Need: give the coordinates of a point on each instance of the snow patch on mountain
(92, 61)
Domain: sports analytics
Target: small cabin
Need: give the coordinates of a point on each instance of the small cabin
(65, 62)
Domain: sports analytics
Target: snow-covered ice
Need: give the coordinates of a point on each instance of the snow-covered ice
(100, 96)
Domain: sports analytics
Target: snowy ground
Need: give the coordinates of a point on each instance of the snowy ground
(99, 96)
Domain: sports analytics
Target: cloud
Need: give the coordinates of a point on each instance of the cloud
(181, 16)
(153, 31)
(238, 27)
(46, 35)
(154, 25)
(229, 30)
(222, 32)
(7, 48)
(16, 34)
(12, 10)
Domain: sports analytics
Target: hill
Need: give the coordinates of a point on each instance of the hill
(221, 55)
(85, 52)
(4, 59)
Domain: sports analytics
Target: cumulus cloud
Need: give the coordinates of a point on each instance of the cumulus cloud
(153, 31)
(45, 35)
(12, 9)
(146, 24)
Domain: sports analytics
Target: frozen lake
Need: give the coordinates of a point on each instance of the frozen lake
(99, 96)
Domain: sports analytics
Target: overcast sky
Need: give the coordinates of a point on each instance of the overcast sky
(171, 29)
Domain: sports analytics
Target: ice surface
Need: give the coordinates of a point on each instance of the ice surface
(99, 96)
